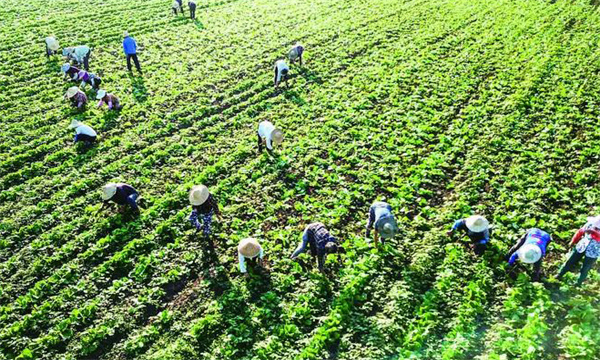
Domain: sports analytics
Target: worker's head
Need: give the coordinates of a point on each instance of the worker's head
(477, 223)
(284, 72)
(332, 246)
(65, 67)
(388, 228)
(529, 253)
(75, 124)
(125, 34)
(100, 94)
(198, 195)
(593, 222)
(72, 91)
(108, 191)
(66, 51)
(277, 136)
(249, 247)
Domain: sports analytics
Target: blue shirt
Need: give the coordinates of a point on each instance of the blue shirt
(534, 236)
(129, 46)
(379, 210)
(479, 237)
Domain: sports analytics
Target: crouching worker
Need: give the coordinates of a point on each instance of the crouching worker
(281, 72)
(530, 249)
(109, 99)
(204, 206)
(177, 5)
(70, 72)
(121, 194)
(321, 244)
(87, 78)
(268, 134)
(83, 133)
(382, 219)
(587, 248)
(79, 54)
(295, 53)
(77, 97)
(52, 46)
(249, 249)
(477, 229)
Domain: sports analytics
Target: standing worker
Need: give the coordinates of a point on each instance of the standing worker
(587, 247)
(192, 6)
(321, 244)
(121, 194)
(269, 134)
(281, 72)
(79, 54)
(130, 49)
(295, 53)
(177, 4)
(476, 227)
(382, 219)
(249, 249)
(83, 133)
(76, 97)
(204, 206)
(530, 249)
(52, 46)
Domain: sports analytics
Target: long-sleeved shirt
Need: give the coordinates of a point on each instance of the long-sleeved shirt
(85, 130)
(79, 52)
(79, 99)
(281, 69)
(73, 72)
(296, 52)
(111, 100)
(192, 5)
(123, 195)
(532, 236)
(591, 245)
(83, 75)
(378, 211)
(478, 237)
(129, 46)
(265, 131)
(208, 207)
(242, 259)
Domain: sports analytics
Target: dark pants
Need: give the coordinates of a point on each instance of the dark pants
(135, 61)
(50, 52)
(95, 84)
(180, 9)
(86, 61)
(574, 258)
(193, 13)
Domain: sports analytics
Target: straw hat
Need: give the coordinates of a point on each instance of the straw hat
(277, 136)
(249, 247)
(108, 191)
(125, 34)
(477, 223)
(529, 253)
(65, 67)
(198, 195)
(387, 227)
(72, 91)
(75, 124)
(100, 94)
(52, 43)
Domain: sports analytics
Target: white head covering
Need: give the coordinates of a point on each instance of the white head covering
(75, 124)
(100, 94)
(72, 91)
(529, 253)
(594, 221)
(125, 33)
(477, 223)
(249, 247)
(65, 67)
(52, 43)
(198, 195)
(108, 191)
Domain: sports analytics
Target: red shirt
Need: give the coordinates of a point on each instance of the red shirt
(594, 234)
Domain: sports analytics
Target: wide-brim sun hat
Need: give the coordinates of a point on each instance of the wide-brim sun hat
(249, 247)
(100, 94)
(198, 195)
(52, 43)
(72, 91)
(108, 191)
(594, 221)
(529, 253)
(477, 223)
(277, 136)
(75, 124)
(388, 228)
(65, 67)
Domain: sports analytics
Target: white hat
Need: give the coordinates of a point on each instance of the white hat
(125, 33)
(198, 195)
(249, 247)
(477, 223)
(387, 227)
(108, 191)
(65, 67)
(277, 136)
(529, 253)
(52, 43)
(100, 94)
(75, 124)
(594, 221)
(72, 91)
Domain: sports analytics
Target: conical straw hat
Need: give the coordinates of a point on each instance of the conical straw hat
(198, 195)
(477, 223)
(249, 247)
(529, 253)
(72, 91)
(108, 191)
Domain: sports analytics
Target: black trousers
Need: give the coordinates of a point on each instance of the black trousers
(135, 61)
(193, 13)
(86, 61)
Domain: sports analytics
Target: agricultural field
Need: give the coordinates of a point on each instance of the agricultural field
(441, 108)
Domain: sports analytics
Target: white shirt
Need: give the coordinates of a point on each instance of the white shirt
(242, 259)
(280, 65)
(85, 130)
(80, 52)
(265, 131)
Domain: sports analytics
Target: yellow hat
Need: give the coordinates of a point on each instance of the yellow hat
(198, 195)
(249, 247)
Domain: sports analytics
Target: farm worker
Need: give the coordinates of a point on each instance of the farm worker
(177, 4)
(296, 53)
(130, 49)
(269, 134)
(476, 227)
(281, 72)
(52, 46)
(192, 6)
(249, 249)
(530, 249)
(381, 217)
(321, 243)
(587, 247)
(80, 54)
(121, 194)
(76, 96)
(204, 206)
(88, 78)
(83, 132)
(70, 71)
(108, 99)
